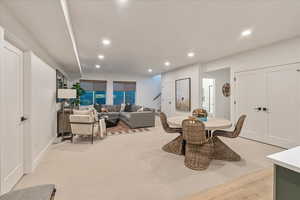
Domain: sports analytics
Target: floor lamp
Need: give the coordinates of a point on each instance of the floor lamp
(65, 95)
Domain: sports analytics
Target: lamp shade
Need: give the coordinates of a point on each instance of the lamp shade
(66, 93)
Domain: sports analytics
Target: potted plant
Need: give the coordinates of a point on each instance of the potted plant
(80, 92)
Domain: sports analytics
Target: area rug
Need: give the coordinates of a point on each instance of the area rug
(256, 186)
(123, 128)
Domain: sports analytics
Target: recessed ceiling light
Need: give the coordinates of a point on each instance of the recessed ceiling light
(101, 57)
(106, 42)
(98, 66)
(246, 32)
(149, 70)
(123, 1)
(191, 54)
(167, 63)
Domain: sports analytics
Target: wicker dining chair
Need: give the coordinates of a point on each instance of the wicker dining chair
(176, 146)
(200, 112)
(221, 150)
(232, 134)
(199, 148)
(166, 126)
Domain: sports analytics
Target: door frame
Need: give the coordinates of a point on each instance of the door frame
(265, 138)
(214, 95)
(167, 100)
(233, 83)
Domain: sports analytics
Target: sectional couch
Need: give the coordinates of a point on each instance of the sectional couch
(134, 118)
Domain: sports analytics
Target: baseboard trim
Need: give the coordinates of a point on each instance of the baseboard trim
(40, 156)
(258, 141)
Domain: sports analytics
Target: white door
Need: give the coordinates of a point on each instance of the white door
(13, 100)
(250, 97)
(166, 98)
(283, 89)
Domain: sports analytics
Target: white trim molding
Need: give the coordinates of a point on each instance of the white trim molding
(40, 156)
(65, 9)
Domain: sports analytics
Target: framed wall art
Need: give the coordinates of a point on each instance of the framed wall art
(183, 94)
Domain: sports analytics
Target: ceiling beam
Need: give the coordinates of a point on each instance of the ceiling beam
(65, 10)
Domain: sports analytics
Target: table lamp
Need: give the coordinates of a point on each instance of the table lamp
(65, 94)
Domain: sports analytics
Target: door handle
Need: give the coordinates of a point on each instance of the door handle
(23, 119)
(266, 110)
(257, 109)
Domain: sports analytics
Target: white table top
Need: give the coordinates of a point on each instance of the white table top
(289, 159)
(210, 124)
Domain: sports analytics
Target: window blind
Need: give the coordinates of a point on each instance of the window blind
(124, 86)
(93, 85)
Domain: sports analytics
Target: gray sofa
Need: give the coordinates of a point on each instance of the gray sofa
(132, 118)
(40, 192)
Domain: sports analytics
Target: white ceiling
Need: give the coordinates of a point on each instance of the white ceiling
(45, 20)
(146, 33)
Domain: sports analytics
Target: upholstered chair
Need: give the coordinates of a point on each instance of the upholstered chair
(198, 148)
(85, 123)
(232, 134)
(199, 112)
(176, 146)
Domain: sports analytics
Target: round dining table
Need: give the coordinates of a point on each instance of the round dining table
(220, 151)
(211, 123)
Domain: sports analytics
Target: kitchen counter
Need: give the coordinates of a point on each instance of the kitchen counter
(286, 174)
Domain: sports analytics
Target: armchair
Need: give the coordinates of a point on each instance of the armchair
(87, 123)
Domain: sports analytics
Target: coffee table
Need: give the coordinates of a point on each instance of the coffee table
(111, 122)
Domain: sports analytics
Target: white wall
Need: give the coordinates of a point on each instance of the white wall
(40, 107)
(146, 87)
(280, 53)
(222, 104)
(18, 35)
(192, 72)
(2, 106)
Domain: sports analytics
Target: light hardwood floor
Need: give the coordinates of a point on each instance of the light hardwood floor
(256, 186)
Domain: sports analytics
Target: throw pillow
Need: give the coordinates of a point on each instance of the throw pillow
(81, 112)
(94, 113)
(123, 105)
(134, 108)
(104, 110)
(127, 108)
(147, 109)
(140, 109)
(98, 107)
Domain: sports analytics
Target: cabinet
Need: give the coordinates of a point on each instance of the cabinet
(63, 123)
(270, 97)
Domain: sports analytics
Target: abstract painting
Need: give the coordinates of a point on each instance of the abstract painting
(183, 94)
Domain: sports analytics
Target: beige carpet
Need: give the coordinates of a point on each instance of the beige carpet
(256, 186)
(123, 128)
(133, 167)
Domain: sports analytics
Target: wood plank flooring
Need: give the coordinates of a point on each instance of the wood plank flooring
(254, 186)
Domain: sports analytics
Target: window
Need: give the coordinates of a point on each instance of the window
(95, 92)
(124, 92)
